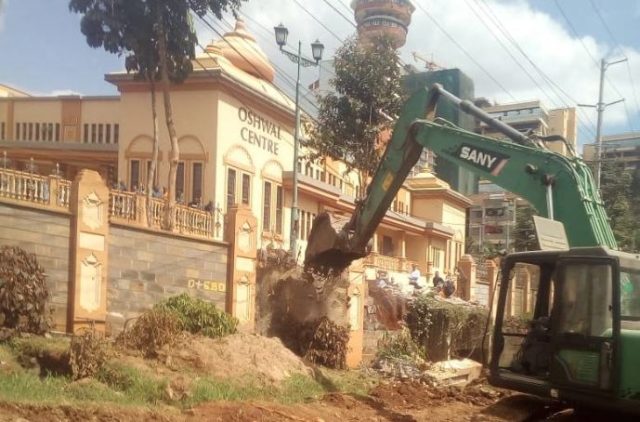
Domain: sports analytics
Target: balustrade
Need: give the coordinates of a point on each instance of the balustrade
(64, 192)
(194, 221)
(124, 207)
(389, 263)
(33, 188)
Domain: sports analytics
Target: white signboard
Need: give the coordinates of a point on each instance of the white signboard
(551, 234)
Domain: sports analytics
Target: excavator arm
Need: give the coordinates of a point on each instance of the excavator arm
(558, 187)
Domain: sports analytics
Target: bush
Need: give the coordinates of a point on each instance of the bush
(326, 343)
(23, 291)
(399, 345)
(443, 328)
(87, 354)
(200, 317)
(153, 330)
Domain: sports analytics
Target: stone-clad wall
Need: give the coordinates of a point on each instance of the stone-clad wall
(146, 267)
(46, 234)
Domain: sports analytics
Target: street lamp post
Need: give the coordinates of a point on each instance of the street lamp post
(317, 49)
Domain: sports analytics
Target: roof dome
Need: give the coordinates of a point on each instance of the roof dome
(242, 50)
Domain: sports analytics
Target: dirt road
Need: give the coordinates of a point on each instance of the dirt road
(398, 402)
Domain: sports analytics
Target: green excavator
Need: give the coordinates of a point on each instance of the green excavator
(582, 343)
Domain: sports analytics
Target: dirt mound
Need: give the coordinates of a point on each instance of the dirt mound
(36, 413)
(413, 394)
(236, 355)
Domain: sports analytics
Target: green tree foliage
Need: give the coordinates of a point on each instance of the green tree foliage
(158, 41)
(200, 317)
(635, 208)
(367, 86)
(525, 233)
(615, 189)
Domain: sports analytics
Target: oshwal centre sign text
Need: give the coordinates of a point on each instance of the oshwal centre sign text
(259, 131)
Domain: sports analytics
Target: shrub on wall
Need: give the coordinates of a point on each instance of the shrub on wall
(443, 328)
(200, 317)
(153, 330)
(23, 291)
(88, 352)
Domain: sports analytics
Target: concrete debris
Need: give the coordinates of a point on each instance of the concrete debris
(458, 372)
(455, 372)
(402, 368)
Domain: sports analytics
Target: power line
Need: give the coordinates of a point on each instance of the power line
(286, 97)
(288, 79)
(516, 61)
(604, 23)
(553, 85)
(633, 87)
(466, 53)
(616, 44)
(315, 18)
(346, 7)
(575, 33)
(595, 61)
(340, 13)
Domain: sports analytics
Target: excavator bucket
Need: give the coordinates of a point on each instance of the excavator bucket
(327, 247)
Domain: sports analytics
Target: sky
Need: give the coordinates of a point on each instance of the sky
(514, 50)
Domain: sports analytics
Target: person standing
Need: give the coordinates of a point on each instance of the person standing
(449, 287)
(437, 280)
(414, 277)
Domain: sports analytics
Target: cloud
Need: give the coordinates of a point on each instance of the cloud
(559, 55)
(544, 39)
(63, 92)
(3, 4)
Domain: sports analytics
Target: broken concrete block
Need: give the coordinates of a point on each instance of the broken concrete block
(458, 372)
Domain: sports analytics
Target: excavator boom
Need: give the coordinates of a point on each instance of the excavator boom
(558, 187)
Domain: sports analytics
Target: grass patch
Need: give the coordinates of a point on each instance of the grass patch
(36, 346)
(27, 387)
(296, 389)
(350, 382)
(209, 389)
(133, 383)
(8, 362)
(299, 388)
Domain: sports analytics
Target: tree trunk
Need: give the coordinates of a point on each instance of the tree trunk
(151, 177)
(169, 220)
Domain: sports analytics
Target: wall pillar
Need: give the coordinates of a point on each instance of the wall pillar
(467, 267)
(9, 131)
(241, 278)
(89, 253)
(357, 298)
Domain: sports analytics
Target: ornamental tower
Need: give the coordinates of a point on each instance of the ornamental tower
(383, 17)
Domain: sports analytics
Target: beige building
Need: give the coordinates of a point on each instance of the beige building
(236, 146)
(624, 148)
(235, 131)
(534, 117)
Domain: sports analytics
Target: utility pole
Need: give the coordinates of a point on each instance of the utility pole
(600, 108)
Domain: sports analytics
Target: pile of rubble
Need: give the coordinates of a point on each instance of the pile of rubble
(454, 372)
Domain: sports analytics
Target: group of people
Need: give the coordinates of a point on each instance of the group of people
(162, 193)
(446, 287)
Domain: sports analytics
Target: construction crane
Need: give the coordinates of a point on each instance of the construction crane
(428, 64)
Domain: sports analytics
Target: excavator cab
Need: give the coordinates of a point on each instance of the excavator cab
(580, 340)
